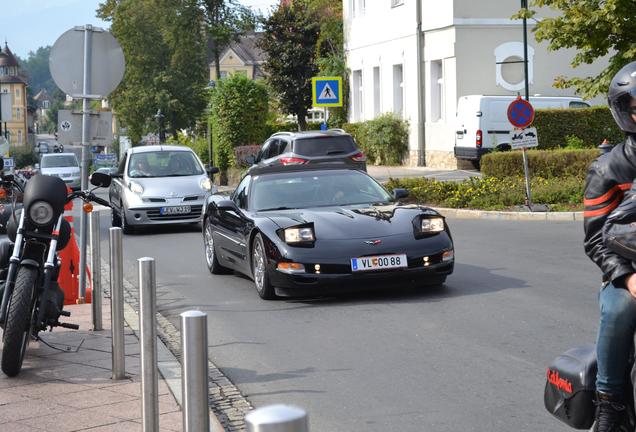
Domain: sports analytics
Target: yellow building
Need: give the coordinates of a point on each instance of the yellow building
(13, 105)
(240, 57)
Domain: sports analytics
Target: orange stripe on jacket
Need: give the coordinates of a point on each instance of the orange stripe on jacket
(603, 210)
(607, 195)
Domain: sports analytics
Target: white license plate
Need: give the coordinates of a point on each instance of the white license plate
(174, 210)
(379, 262)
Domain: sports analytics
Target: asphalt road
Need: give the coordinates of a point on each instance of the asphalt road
(468, 356)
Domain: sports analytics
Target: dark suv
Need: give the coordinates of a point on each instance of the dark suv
(299, 148)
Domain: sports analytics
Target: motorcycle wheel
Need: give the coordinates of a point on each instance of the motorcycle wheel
(17, 330)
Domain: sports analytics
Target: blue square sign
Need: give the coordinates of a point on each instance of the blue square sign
(326, 91)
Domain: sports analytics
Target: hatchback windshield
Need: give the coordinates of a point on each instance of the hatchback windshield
(59, 161)
(163, 164)
(315, 189)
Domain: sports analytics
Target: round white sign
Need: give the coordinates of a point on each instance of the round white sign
(65, 126)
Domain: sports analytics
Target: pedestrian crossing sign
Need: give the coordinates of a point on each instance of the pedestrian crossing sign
(326, 91)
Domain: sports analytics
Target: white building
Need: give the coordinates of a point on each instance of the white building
(463, 44)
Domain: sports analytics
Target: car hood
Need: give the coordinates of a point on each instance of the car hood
(353, 222)
(163, 186)
(59, 170)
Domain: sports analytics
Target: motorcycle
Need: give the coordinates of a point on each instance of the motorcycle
(32, 299)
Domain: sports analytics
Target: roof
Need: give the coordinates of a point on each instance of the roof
(279, 169)
(12, 79)
(313, 134)
(246, 47)
(154, 148)
(42, 95)
(7, 58)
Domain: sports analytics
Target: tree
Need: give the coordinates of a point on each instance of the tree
(36, 68)
(596, 28)
(165, 62)
(290, 41)
(226, 21)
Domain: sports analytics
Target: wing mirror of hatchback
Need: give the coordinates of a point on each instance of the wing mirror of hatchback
(399, 193)
(250, 160)
(211, 170)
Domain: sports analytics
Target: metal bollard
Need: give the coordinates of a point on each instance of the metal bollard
(147, 325)
(277, 418)
(96, 271)
(117, 303)
(194, 373)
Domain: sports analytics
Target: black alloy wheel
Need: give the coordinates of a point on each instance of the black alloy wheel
(210, 251)
(17, 330)
(263, 286)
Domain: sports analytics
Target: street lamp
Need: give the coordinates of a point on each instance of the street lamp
(159, 116)
(210, 86)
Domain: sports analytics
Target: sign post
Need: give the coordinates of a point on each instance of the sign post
(86, 63)
(326, 92)
(521, 115)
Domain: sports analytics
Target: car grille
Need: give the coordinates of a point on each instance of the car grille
(154, 214)
(192, 198)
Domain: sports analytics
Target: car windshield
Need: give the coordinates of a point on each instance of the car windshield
(306, 189)
(326, 146)
(164, 163)
(59, 161)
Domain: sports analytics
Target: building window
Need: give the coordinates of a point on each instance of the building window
(18, 114)
(398, 90)
(20, 136)
(223, 74)
(437, 90)
(358, 114)
(376, 91)
(46, 104)
(396, 3)
(17, 94)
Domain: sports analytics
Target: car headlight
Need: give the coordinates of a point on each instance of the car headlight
(41, 213)
(299, 235)
(206, 184)
(432, 225)
(136, 187)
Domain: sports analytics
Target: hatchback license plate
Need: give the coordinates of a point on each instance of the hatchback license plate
(174, 210)
(379, 262)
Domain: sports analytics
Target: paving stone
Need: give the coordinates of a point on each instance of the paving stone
(93, 398)
(18, 427)
(40, 390)
(25, 410)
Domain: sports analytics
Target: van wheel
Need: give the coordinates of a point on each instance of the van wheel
(476, 164)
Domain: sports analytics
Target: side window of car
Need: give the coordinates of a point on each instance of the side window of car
(240, 195)
(281, 147)
(262, 152)
(271, 149)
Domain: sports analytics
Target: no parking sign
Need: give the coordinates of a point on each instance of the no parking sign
(520, 113)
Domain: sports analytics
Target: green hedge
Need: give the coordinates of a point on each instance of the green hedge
(542, 163)
(383, 140)
(288, 126)
(23, 156)
(591, 125)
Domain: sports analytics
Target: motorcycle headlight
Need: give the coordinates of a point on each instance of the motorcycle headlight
(432, 225)
(41, 213)
(299, 235)
(206, 184)
(136, 187)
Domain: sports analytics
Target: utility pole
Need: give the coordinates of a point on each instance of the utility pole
(524, 5)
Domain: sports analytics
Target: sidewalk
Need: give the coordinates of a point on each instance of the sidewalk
(68, 386)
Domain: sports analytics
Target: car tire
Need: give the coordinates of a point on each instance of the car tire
(263, 286)
(210, 251)
(115, 219)
(125, 228)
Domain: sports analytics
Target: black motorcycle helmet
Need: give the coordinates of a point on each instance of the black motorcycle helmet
(621, 90)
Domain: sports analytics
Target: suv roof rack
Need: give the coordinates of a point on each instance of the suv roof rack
(338, 130)
(282, 133)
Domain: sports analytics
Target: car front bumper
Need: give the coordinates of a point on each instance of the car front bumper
(151, 214)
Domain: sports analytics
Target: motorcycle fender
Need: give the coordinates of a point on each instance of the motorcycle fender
(30, 263)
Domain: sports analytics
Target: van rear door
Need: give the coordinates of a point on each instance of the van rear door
(467, 124)
(495, 124)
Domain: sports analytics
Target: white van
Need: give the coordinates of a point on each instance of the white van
(482, 122)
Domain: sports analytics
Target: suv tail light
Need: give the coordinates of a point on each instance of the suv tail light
(359, 157)
(293, 161)
(478, 138)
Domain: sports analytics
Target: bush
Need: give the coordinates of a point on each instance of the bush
(384, 140)
(572, 142)
(591, 125)
(489, 193)
(541, 163)
(288, 126)
(239, 116)
(23, 156)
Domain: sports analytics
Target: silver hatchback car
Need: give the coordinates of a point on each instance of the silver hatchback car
(159, 184)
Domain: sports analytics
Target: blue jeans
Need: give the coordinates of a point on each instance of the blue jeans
(615, 342)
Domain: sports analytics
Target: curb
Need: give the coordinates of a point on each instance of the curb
(510, 215)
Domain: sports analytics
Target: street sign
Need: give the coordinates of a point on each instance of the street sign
(70, 128)
(105, 159)
(520, 113)
(524, 138)
(8, 162)
(106, 65)
(326, 91)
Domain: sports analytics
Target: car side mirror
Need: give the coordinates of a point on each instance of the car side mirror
(251, 159)
(399, 193)
(228, 205)
(100, 179)
(211, 170)
(37, 166)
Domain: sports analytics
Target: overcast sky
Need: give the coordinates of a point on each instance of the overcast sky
(27, 25)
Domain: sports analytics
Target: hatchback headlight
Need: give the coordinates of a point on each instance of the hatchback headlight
(136, 187)
(432, 225)
(206, 184)
(299, 235)
(41, 213)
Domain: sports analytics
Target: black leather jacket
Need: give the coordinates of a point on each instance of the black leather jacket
(608, 177)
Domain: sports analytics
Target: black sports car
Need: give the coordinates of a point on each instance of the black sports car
(304, 230)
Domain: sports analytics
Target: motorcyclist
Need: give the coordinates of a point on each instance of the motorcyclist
(607, 179)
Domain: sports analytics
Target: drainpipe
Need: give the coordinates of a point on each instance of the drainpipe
(421, 159)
